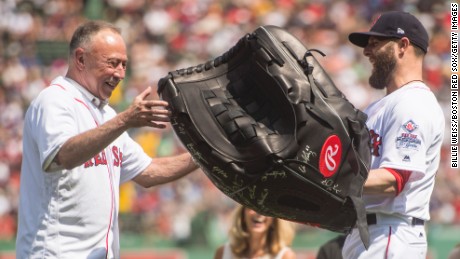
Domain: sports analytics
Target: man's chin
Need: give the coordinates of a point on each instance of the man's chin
(377, 83)
(107, 93)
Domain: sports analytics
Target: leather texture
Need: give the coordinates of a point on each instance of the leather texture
(271, 130)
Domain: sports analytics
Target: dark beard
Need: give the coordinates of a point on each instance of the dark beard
(384, 66)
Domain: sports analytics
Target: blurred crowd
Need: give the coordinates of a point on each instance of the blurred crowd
(164, 35)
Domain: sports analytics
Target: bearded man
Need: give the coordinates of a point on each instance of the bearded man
(406, 127)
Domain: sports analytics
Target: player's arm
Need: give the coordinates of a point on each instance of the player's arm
(166, 169)
(84, 146)
(386, 181)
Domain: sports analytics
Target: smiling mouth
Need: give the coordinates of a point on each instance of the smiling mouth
(111, 84)
(258, 220)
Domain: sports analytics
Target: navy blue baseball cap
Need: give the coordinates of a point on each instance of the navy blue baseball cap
(394, 24)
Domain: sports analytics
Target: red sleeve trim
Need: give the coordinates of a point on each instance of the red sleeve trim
(401, 176)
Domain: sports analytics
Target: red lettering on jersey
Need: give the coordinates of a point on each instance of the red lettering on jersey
(89, 163)
(376, 142)
(120, 154)
(408, 135)
(104, 158)
(100, 159)
(116, 157)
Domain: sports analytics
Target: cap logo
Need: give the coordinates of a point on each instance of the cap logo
(400, 31)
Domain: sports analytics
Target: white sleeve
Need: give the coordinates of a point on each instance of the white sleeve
(52, 122)
(134, 159)
(408, 133)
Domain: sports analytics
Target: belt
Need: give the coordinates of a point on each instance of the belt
(372, 220)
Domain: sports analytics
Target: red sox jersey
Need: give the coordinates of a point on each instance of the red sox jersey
(407, 128)
(71, 213)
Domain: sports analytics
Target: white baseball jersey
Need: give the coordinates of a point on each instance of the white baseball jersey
(71, 213)
(407, 127)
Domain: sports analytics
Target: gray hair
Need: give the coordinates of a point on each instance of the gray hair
(84, 33)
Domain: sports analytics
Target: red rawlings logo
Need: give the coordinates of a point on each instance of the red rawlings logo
(330, 157)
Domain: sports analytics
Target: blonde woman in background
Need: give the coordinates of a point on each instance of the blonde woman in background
(254, 236)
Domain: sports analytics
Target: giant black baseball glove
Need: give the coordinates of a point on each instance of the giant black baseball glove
(271, 130)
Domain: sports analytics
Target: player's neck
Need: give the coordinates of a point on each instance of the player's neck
(408, 69)
(402, 81)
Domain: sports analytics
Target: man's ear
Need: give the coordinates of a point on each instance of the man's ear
(403, 44)
(79, 58)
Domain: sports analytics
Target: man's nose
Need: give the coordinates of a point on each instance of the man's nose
(367, 50)
(120, 71)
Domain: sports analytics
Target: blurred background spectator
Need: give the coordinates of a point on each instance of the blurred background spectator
(164, 35)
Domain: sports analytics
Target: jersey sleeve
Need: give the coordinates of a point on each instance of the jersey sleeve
(52, 122)
(134, 159)
(408, 133)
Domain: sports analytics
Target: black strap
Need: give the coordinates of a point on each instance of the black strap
(418, 222)
(372, 220)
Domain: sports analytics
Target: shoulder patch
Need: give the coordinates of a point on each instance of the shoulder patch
(410, 126)
(408, 141)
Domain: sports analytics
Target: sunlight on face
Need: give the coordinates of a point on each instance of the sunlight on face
(381, 54)
(105, 63)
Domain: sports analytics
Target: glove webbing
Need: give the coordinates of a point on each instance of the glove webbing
(237, 124)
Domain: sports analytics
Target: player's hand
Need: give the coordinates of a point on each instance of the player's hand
(146, 112)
